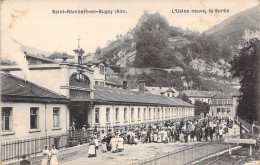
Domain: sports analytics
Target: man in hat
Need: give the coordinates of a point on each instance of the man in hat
(24, 161)
(46, 155)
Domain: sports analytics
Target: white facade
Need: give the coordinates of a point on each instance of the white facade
(55, 77)
(99, 74)
(20, 118)
(125, 115)
(202, 99)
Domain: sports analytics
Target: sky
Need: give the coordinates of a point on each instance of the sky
(33, 23)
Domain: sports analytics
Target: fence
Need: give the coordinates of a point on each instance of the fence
(31, 147)
(185, 156)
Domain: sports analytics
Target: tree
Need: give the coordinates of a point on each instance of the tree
(201, 107)
(245, 66)
(151, 41)
(184, 97)
(98, 50)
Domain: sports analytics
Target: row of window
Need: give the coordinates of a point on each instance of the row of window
(223, 110)
(7, 118)
(101, 83)
(157, 113)
(202, 100)
(222, 101)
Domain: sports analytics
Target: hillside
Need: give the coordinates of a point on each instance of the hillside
(155, 45)
(232, 29)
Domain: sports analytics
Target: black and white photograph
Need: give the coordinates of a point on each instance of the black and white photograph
(130, 82)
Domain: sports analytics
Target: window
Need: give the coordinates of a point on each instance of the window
(56, 117)
(168, 94)
(34, 117)
(228, 101)
(228, 110)
(132, 114)
(108, 114)
(102, 84)
(144, 115)
(223, 110)
(162, 113)
(96, 115)
(158, 114)
(96, 82)
(125, 114)
(117, 114)
(149, 113)
(154, 112)
(218, 110)
(138, 114)
(102, 70)
(6, 118)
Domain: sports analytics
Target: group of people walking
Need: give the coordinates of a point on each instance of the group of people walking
(50, 156)
(110, 142)
(172, 131)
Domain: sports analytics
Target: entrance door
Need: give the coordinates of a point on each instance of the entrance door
(78, 114)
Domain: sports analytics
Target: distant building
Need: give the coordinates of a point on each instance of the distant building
(99, 71)
(203, 96)
(223, 105)
(38, 59)
(164, 91)
(100, 77)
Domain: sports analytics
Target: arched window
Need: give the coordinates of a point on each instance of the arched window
(79, 80)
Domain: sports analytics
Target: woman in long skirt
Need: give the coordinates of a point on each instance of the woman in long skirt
(159, 137)
(155, 135)
(46, 155)
(92, 148)
(113, 144)
(104, 144)
(120, 146)
(53, 157)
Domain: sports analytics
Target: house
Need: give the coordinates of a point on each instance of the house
(99, 74)
(203, 96)
(29, 110)
(164, 91)
(99, 71)
(222, 105)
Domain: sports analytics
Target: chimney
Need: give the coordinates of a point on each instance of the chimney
(124, 84)
(141, 86)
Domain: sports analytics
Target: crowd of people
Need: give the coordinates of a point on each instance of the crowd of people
(209, 128)
(184, 131)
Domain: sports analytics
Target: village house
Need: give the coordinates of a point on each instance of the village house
(203, 96)
(164, 91)
(29, 110)
(223, 105)
(99, 76)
